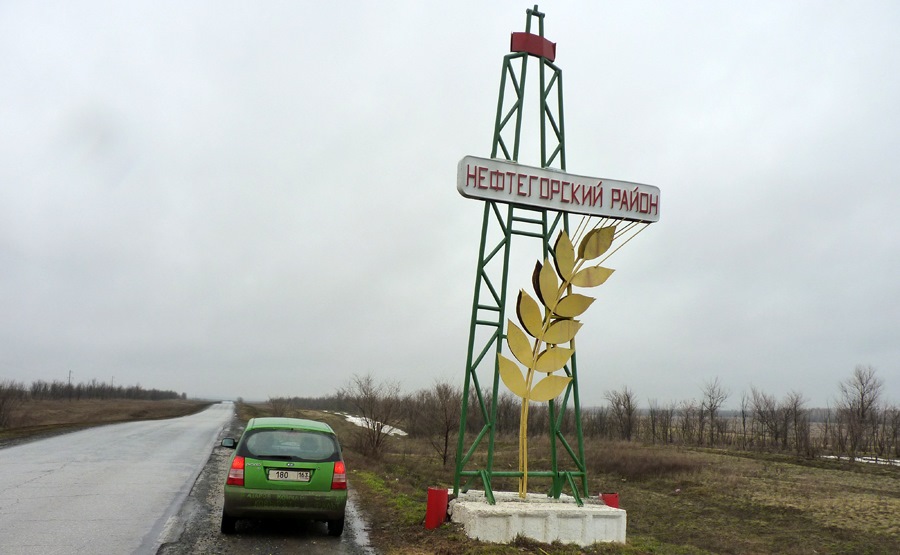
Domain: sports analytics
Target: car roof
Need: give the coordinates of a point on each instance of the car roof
(289, 424)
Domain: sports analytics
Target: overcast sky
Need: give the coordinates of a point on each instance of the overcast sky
(254, 199)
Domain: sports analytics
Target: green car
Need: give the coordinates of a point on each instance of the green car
(286, 468)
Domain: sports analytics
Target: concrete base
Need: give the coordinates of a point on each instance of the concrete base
(537, 517)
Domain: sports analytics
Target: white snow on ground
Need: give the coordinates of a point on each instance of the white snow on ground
(872, 460)
(366, 423)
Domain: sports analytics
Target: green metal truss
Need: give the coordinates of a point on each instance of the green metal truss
(486, 329)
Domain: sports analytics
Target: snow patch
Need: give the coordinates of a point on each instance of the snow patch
(870, 460)
(366, 423)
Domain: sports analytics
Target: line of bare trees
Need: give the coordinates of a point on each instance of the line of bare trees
(14, 394)
(56, 390)
(859, 422)
(41, 390)
(431, 414)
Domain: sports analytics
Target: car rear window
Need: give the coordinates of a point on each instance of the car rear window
(289, 445)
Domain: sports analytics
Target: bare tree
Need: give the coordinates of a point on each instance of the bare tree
(766, 423)
(688, 420)
(745, 414)
(280, 406)
(660, 420)
(378, 405)
(714, 396)
(12, 395)
(443, 404)
(654, 421)
(827, 429)
(597, 422)
(882, 440)
(667, 421)
(508, 412)
(895, 430)
(797, 416)
(623, 407)
(857, 407)
(538, 420)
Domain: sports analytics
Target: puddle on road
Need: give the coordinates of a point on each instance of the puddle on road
(358, 527)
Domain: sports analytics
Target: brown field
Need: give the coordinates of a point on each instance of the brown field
(32, 418)
(679, 500)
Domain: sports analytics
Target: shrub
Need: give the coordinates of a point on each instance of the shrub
(12, 394)
(636, 462)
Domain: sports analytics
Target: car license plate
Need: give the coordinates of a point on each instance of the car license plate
(289, 475)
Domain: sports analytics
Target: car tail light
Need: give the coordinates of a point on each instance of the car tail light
(236, 473)
(339, 479)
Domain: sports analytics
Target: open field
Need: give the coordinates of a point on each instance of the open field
(721, 503)
(31, 418)
(678, 500)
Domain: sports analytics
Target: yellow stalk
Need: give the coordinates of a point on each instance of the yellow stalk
(565, 286)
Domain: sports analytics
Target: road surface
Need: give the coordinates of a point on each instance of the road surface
(146, 488)
(113, 489)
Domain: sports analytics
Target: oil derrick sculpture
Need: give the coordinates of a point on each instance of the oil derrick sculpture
(535, 202)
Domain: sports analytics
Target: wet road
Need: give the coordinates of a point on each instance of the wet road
(196, 528)
(113, 489)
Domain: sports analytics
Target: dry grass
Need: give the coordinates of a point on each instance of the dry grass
(41, 417)
(692, 501)
(753, 505)
(679, 501)
(636, 461)
(868, 501)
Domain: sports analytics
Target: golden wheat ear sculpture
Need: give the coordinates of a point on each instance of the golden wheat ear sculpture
(551, 327)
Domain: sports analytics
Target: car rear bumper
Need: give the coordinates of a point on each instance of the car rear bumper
(258, 503)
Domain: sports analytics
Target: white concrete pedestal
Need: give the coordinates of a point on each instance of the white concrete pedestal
(537, 517)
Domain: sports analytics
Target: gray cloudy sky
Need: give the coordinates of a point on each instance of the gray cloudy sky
(259, 199)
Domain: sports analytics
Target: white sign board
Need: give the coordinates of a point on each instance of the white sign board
(502, 181)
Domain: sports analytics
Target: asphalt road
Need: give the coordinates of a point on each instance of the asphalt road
(113, 489)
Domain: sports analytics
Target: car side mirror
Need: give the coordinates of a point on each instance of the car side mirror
(229, 442)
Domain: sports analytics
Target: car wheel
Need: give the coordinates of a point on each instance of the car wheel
(228, 523)
(335, 527)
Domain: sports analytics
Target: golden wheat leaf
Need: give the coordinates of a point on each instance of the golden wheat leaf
(549, 285)
(565, 256)
(573, 305)
(529, 314)
(549, 388)
(592, 276)
(553, 359)
(519, 344)
(512, 376)
(561, 331)
(596, 242)
(536, 281)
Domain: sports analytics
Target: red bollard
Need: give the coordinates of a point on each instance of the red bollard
(436, 510)
(611, 499)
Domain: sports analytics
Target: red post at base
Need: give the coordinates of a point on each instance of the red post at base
(611, 499)
(436, 509)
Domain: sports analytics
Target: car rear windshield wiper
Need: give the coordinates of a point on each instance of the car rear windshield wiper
(278, 457)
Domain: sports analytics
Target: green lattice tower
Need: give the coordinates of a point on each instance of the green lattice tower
(490, 298)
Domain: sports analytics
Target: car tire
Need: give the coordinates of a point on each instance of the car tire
(335, 527)
(228, 523)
